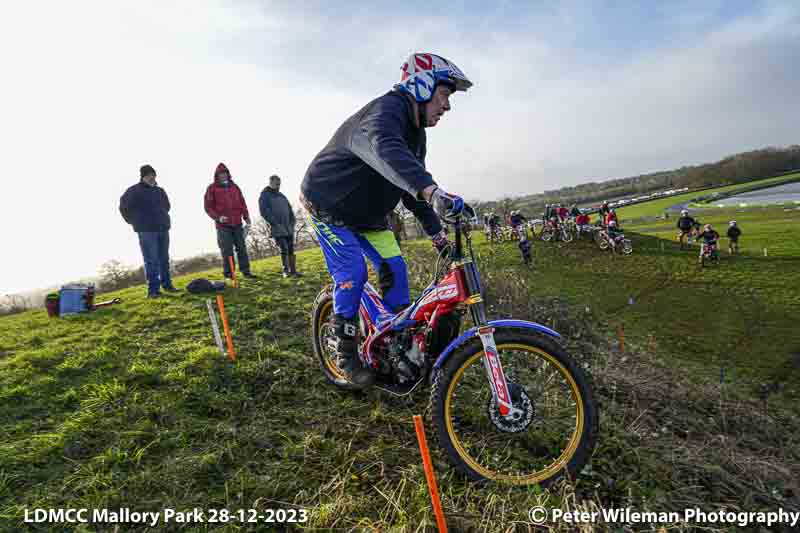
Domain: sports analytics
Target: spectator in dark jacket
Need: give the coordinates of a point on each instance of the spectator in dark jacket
(277, 211)
(145, 206)
(224, 203)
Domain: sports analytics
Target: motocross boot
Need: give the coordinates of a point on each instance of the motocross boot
(346, 353)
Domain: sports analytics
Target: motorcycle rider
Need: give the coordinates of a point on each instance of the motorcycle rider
(733, 237)
(517, 219)
(611, 216)
(685, 224)
(375, 159)
(583, 221)
(710, 238)
(614, 233)
(494, 222)
(604, 209)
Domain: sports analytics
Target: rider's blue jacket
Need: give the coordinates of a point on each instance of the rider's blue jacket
(374, 160)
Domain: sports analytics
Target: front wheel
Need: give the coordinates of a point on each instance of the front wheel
(554, 432)
(627, 247)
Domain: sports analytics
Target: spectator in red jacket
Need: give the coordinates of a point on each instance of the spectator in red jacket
(225, 204)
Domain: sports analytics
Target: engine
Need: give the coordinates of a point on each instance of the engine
(406, 354)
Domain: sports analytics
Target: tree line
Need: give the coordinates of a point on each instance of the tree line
(731, 170)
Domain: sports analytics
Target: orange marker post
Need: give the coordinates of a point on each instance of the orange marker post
(221, 305)
(621, 334)
(233, 271)
(429, 474)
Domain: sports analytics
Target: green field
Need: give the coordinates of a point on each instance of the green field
(132, 406)
(657, 207)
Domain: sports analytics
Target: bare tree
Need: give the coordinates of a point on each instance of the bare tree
(14, 303)
(504, 206)
(116, 275)
(259, 240)
(303, 229)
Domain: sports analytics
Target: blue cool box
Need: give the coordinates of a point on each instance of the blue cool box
(73, 299)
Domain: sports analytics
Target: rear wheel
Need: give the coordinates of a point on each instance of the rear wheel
(547, 234)
(553, 433)
(322, 333)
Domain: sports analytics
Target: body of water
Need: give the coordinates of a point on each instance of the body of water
(788, 193)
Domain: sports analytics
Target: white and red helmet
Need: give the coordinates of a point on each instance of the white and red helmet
(421, 73)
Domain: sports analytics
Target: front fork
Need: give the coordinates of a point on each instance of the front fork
(491, 359)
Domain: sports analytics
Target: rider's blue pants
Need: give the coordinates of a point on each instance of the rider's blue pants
(344, 252)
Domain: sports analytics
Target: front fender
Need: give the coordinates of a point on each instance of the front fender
(495, 324)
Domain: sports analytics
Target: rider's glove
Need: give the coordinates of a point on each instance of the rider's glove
(440, 241)
(445, 204)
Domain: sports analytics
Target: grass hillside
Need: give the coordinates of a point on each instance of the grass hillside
(132, 406)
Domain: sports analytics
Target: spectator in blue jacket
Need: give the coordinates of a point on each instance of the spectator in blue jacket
(277, 211)
(145, 206)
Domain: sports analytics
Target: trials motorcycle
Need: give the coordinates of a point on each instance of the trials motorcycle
(507, 402)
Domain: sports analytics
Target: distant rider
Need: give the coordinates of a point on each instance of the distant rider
(610, 217)
(710, 238)
(733, 237)
(517, 221)
(604, 210)
(583, 221)
(494, 223)
(685, 224)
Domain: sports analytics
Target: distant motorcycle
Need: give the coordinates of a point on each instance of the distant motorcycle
(494, 234)
(552, 232)
(618, 243)
(708, 253)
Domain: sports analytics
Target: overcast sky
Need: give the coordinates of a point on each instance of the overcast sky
(565, 92)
